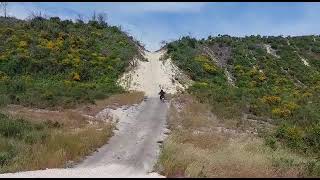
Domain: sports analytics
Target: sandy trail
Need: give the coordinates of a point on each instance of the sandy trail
(133, 150)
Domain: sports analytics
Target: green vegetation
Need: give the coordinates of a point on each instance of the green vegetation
(272, 86)
(50, 62)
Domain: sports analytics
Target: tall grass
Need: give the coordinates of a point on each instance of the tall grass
(232, 158)
(31, 146)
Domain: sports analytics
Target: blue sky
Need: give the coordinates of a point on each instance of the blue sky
(152, 22)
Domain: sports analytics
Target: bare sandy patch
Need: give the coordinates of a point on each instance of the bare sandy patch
(78, 117)
(271, 51)
(113, 102)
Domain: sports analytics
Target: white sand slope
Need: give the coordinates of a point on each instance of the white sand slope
(271, 51)
(153, 75)
(304, 61)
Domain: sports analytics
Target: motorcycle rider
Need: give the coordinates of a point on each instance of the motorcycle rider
(162, 93)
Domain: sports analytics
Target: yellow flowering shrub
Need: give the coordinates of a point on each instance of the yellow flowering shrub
(2, 57)
(23, 44)
(67, 83)
(210, 68)
(76, 76)
(262, 77)
(50, 45)
(76, 61)
(253, 72)
(3, 76)
(291, 106)
(307, 94)
(271, 100)
(202, 84)
(281, 112)
(202, 58)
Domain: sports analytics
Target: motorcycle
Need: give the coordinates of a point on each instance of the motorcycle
(162, 98)
(161, 93)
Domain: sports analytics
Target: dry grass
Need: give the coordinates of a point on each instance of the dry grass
(73, 118)
(113, 101)
(196, 148)
(194, 114)
(238, 157)
(60, 148)
(68, 118)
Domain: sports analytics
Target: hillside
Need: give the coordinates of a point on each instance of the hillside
(52, 62)
(271, 79)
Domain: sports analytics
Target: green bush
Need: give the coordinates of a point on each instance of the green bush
(15, 133)
(4, 158)
(21, 129)
(271, 141)
(292, 136)
(312, 138)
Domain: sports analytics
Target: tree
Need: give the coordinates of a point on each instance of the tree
(94, 16)
(79, 19)
(102, 18)
(37, 15)
(163, 43)
(4, 6)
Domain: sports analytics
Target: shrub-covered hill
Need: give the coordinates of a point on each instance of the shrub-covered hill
(275, 78)
(50, 62)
